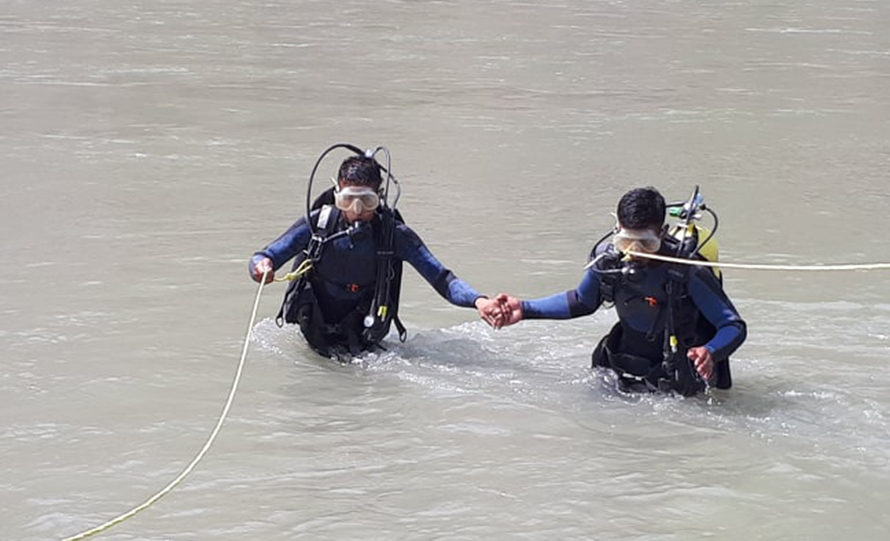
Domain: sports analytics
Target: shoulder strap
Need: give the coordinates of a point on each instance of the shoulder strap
(607, 265)
(324, 225)
(328, 217)
(683, 377)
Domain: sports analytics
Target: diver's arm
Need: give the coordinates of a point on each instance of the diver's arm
(712, 301)
(282, 249)
(583, 300)
(409, 247)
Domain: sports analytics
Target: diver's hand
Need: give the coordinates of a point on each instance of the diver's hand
(260, 266)
(511, 308)
(704, 362)
(490, 311)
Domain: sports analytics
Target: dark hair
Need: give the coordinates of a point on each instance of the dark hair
(360, 170)
(641, 208)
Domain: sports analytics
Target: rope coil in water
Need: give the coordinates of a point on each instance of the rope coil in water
(200, 455)
(757, 266)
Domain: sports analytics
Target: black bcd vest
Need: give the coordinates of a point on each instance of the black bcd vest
(681, 317)
(301, 307)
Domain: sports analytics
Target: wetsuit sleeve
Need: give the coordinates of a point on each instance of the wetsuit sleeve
(712, 301)
(581, 301)
(285, 247)
(409, 247)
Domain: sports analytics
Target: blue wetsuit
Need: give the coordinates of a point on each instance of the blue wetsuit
(347, 271)
(642, 303)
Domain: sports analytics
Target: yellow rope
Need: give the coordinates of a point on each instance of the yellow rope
(755, 266)
(190, 467)
(302, 269)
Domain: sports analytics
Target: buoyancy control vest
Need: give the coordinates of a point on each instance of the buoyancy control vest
(371, 320)
(656, 359)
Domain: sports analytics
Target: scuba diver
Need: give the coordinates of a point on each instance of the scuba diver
(676, 327)
(349, 249)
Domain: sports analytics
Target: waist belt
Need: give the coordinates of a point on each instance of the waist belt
(631, 364)
(638, 369)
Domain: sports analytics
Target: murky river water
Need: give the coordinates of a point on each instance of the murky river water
(148, 148)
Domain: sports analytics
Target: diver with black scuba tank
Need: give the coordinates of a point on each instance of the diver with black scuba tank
(349, 250)
(676, 328)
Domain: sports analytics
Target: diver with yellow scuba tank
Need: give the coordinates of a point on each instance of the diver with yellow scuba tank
(676, 327)
(348, 251)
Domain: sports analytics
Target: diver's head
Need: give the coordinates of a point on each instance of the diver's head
(641, 213)
(358, 188)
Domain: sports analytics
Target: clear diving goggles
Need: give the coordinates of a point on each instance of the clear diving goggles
(637, 240)
(357, 199)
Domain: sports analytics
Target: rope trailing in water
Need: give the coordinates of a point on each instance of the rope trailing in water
(200, 455)
(755, 266)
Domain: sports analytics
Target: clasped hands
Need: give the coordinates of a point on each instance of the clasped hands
(500, 311)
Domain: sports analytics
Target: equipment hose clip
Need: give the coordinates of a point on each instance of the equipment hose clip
(313, 250)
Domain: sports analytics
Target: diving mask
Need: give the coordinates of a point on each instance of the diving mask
(356, 199)
(637, 240)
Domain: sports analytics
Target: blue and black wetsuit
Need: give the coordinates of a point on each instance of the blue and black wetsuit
(637, 345)
(341, 284)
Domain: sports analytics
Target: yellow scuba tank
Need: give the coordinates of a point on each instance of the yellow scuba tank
(710, 251)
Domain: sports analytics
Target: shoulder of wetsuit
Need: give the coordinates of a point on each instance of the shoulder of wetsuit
(326, 198)
(602, 248)
(334, 219)
(608, 258)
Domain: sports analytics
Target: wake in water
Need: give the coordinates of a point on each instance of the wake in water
(536, 367)
(547, 365)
